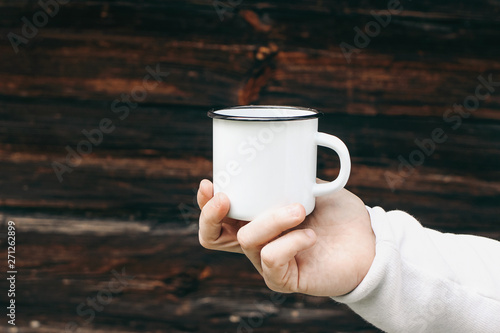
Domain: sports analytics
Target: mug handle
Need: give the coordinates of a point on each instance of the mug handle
(332, 142)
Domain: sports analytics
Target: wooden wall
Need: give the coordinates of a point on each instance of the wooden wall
(129, 204)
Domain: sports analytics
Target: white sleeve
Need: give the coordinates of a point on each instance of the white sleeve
(422, 280)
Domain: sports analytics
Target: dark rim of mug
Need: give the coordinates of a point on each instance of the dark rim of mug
(215, 115)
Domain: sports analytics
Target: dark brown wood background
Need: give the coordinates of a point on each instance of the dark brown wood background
(129, 204)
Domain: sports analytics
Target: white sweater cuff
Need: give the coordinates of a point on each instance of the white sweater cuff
(422, 280)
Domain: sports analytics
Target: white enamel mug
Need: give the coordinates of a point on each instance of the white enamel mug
(265, 157)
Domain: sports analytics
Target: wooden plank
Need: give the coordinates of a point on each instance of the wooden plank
(177, 286)
(375, 84)
(150, 166)
(130, 203)
(214, 63)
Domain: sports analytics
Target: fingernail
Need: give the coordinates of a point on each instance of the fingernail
(310, 233)
(216, 200)
(295, 210)
(204, 183)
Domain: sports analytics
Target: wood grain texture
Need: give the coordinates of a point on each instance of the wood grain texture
(130, 203)
(176, 287)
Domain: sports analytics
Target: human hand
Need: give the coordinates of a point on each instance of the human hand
(327, 253)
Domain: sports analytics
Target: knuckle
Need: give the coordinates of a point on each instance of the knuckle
(204, 243)
(268, 257)
(273, 285)
(243, 239)
(207, 216)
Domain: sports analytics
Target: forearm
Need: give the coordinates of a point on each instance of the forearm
(425, 281)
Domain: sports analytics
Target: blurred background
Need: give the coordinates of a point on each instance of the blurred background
(104, 138)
